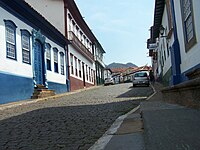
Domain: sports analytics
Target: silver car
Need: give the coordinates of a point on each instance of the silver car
(108, 81)
(140, 78)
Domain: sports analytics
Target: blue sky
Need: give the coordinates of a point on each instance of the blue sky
(121, 26)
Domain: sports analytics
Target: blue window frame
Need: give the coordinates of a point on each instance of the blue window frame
(25, 39)
(10, 29)
(62, 63)
(48, 56)
(55, 52)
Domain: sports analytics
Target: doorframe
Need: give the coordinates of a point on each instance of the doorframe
(37, 36)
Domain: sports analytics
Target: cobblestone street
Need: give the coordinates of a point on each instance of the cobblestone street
(72, 122)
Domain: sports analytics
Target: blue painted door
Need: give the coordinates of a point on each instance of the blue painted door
(38, 63)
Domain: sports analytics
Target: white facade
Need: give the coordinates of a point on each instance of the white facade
(52, 10)
(18, 76)
(178, 50)
(107, 73)
(17, 67)
(89, 67)
(164, 42)
(189, 58)
(75, 29)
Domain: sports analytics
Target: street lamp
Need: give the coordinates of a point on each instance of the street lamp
(162, 31)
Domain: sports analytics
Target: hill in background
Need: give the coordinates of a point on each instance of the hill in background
(121, 65)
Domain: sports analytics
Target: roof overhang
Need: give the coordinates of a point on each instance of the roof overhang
(25, 12)
(158, 14)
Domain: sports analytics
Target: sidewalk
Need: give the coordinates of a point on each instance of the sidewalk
(163, 126)
(170, 126)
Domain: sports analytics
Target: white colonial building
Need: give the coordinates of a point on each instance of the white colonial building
(32, 53)
(65, 16)
(176, 32)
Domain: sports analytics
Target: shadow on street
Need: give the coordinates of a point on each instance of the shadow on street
(138, 91)
(71, 127)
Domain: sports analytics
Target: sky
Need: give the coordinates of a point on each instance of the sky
(121, 27)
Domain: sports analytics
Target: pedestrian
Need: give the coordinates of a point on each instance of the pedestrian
(152, 78)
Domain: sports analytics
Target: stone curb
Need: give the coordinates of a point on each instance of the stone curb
(31, 101)
(101, 143)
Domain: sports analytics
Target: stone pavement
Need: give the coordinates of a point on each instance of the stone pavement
(66, 122)
(163, 126)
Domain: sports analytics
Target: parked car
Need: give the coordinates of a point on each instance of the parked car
(140, 78)
(109, 81)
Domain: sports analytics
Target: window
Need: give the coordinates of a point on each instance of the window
(62, 63)
(76, 68)
(86, 72)
(79, 65)
(92, 75)
(188, 23)
(48, 56)
(167, 49)
(89, 74)
(26, 46)
(55, 52)
(10, 39)
(72, 64)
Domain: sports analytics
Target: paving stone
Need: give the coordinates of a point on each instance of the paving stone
(75, 121)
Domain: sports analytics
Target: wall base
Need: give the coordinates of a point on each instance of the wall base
(76, 84)
(15, 88)
(186, 93)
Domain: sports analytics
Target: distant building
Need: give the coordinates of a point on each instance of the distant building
(100, 66)
(32, 53)
(107, 73)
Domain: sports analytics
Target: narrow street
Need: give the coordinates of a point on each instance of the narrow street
(75, 121)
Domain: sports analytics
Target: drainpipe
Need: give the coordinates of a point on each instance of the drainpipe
(175, 52)
(66, 48)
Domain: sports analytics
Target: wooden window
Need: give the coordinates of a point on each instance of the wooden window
(48, 56)
(188, 23)
(55, 51)
(87, 72)
(10, 39)
(72, 63)
(76, 68)
(62, 70)
(79, 65)
(25, 39)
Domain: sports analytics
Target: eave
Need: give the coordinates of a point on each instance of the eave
(158, 14)
(72, 7)
(25, 12)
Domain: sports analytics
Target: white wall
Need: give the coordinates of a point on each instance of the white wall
(163, 43)
(51, 75)
(192, 57)
(79, 56)
(52, 10)
(17, 67)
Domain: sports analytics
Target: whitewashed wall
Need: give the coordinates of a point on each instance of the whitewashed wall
(17, 67)
(52, 10)
(163, 43)
(51, 75)
(7, 65)
(192, 57)
(79, 56)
